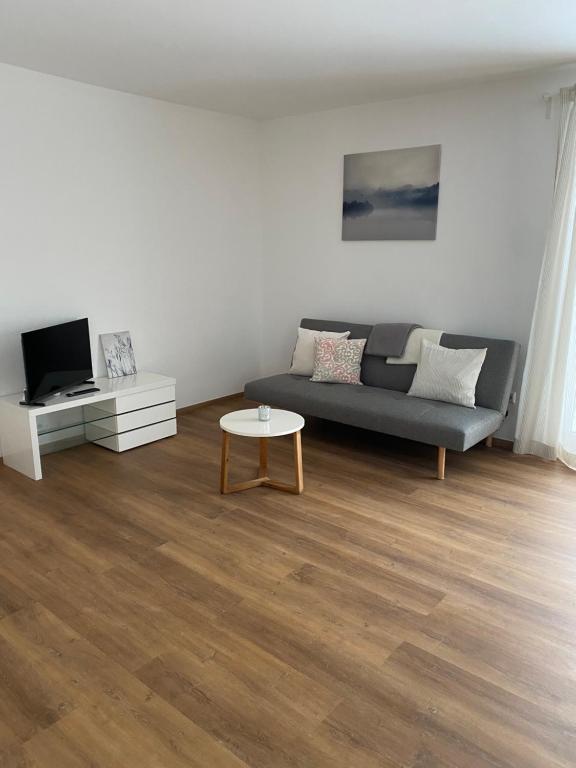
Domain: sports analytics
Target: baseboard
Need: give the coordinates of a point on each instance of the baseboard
(195, 406)
(506, 445)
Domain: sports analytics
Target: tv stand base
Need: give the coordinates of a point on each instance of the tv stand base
(122, 413)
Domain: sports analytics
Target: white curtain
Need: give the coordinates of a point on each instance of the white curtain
(547, 413)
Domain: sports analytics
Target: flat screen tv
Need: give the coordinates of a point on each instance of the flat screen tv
(56, 358)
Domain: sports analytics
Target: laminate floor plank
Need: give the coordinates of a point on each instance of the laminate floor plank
(382, 619)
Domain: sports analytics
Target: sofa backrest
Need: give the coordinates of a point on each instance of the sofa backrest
(494, 383)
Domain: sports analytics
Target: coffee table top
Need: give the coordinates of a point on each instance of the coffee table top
(246, 423)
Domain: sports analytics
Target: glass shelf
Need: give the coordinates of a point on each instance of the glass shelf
(70, 419)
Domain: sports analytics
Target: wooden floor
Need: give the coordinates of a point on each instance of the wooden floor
(382, 619)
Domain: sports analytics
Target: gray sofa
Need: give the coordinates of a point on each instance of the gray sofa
(382, 404)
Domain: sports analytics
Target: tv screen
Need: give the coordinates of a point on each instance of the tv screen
(56, 357)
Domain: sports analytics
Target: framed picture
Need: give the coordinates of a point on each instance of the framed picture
(118, 354)
(391, 195)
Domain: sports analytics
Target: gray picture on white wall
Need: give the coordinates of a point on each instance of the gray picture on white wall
(391, 195)
(118, 354)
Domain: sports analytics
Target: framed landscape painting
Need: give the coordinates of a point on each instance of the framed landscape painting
(391, 195)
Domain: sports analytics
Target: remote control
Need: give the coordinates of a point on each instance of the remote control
(82, 391)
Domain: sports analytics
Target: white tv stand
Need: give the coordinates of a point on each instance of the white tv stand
(127, 412)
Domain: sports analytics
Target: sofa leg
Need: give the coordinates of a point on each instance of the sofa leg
(489, 442)
(441, 462)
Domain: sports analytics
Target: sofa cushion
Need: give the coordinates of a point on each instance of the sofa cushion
(357, 330)
(496, 378)
(494, 383)
(305, 349)
(338, 361)
(380, 410)
(449, 375)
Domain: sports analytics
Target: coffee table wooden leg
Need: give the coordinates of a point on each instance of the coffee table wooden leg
(298, 485)
(263, 467)
(224, 462)
(262, 478)
(298, 470)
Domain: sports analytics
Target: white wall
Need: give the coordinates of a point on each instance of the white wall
(148, 216)
(137, 214)
(479, 276)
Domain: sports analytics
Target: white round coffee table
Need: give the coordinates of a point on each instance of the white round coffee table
(246, 424)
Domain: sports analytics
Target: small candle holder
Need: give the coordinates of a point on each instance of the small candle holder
(264, 413)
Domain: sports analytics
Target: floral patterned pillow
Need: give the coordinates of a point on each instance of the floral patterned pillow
(338, 360)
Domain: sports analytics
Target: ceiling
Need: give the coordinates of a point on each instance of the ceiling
(268, 58)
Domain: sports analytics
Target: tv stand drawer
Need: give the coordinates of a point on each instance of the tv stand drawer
(125, 403)
(135, 437)
(124, 422)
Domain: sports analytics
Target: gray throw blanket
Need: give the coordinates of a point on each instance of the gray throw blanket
(389, 339)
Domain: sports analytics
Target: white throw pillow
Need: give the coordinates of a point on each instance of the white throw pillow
(303, 357)
(447, 374)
